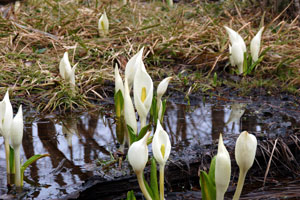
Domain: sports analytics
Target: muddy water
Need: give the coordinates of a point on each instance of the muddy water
(77, 142)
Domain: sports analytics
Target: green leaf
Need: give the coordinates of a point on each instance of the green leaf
(254, 64)
(143, 132)
(208, 190)
(120, 129)
(245, 63)
(119, 103)
(211, 172)
(153, 110)
(153, 179)
(215, 79)
(12, 160)
(132, 136)
(130, 195)
(149, 141)
(31, 160)
(148, 187)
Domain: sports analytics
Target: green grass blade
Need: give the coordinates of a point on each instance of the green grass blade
(153, 179)
(130, 195)
(12, 160)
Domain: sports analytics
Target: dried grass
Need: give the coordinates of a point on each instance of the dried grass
(188, 40)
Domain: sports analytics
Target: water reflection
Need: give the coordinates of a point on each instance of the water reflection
(237, 111)
(76, 142)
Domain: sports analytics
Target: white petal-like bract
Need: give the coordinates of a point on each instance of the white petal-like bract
(6, 116)
(132, 66)
(161, 145)
(118, 81)
(143, 92)
(255, 45)
(237, 56)
(138, 154)
(17, 129)
(103, 24)
(245, 150)
(65, 69)
(222, 169)
(129, 111)
(162, 87)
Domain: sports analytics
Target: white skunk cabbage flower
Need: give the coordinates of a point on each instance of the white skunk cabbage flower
(138, 154)
(237, 56)
(103, 24)
(255, 45)
(230, 57)
(143, 93)
(118, 81)
(6, 116)
(161, 145)
(16, 141)
(234, 37)
(65, 70)
(245, 150)
(222, 170)
(17, 129)
(132, 65)
(129, 112)
(236, 49)
(161, 89)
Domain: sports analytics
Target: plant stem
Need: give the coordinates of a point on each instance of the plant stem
(161, 181)
(240, 185)
(17, 167)
(220, 195)
(6, 143)
(142, 185)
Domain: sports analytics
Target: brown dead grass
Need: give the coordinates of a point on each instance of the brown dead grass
(189, 38)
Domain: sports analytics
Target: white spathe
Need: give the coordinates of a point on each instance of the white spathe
(118, 81)
(161, 89)
(132, 65)
(234, 37)
(236, 49)
(143, 93)
(222, 170)
(129, 112)
(17, 129)
(255, 45)
(138, 154)
(245, 150)
(161, 145)
(6, 116)
(65, 69)
(103, 24)
(237, 56)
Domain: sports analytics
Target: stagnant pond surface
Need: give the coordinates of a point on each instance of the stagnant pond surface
(77, 142)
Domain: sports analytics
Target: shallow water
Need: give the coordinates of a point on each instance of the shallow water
(76, 142)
